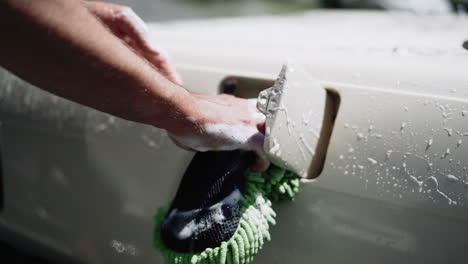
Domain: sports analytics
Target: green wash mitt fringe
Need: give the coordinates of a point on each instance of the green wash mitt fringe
(253, 230)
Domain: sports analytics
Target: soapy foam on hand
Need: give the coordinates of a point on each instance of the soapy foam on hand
(224, 137)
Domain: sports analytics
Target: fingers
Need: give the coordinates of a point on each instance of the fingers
(129, 27)
(121, 20)
(260, 165)
(256, 142)
(138, 33)
(261, 127)
(257, 116)
(106, 12)
(160, 59)
(134, 26)
(129, 24)
(237, 124)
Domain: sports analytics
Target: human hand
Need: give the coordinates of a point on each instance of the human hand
(130, 28)
(216, 122)
(225, 122)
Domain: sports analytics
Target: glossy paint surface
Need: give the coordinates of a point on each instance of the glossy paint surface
(394, 187)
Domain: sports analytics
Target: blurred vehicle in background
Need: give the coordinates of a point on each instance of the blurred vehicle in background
(169, 10)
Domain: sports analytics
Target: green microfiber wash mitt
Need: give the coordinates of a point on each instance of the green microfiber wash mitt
(256, 216)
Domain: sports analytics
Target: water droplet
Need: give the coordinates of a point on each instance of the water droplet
(402, 127)
(405, 108)
(449, 131)
(371, 127)
(122, 247)
(459, 142)
(42, 213)
(453, 90)
(464, 112)
(452, 177)
(346, 125)
(118, 246)
(371, 160)
(387, 155)
(445, 155)
(429, 143)
(360, 136)
(341, 157)
(378, 135)
(275, 148)
(350, 150)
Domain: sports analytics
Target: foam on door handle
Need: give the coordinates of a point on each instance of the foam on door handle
(300, 114)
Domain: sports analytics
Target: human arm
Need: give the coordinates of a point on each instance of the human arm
(62, 47)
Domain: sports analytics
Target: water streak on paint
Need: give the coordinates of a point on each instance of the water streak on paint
(429, 143)
(275, 148)
(449, 131)
(450, 201)
(402, 127)
(452, 177)
(308, 147)
(446, 153)
(420, 183)
(388, 154)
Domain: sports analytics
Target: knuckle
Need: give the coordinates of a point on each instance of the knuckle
(123, 12)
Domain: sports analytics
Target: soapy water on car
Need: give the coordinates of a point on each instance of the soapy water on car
(230, 137)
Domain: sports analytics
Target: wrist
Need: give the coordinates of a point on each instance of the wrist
(185, 116)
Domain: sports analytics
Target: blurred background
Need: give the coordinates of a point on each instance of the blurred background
(168, 10)
(176, 10)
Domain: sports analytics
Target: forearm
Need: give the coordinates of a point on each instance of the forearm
(61, 47)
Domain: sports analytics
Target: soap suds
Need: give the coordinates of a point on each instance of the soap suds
(194, 226)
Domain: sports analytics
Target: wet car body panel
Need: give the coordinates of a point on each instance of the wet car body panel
(394, 184)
